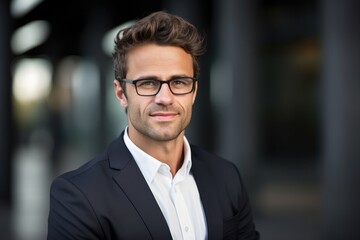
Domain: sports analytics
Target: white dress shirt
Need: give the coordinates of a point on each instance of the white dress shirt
(178, 197)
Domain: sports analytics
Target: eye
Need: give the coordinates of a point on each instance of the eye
(147, 83)
(181, 82)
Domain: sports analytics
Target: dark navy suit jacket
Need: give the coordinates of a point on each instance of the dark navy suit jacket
(108, 198)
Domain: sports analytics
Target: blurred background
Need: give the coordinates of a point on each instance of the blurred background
(279, 96)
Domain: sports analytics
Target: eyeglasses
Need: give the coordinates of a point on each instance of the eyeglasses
(151, 87)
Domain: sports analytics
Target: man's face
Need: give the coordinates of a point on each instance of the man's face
(165, 116)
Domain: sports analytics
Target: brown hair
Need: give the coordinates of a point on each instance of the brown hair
(160, 28)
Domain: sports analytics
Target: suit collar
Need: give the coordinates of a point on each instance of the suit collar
(129, 178)
(119, 156)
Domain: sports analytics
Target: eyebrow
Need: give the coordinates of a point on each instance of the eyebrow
(157, 78)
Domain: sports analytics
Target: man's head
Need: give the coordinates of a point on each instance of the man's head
(157, 60)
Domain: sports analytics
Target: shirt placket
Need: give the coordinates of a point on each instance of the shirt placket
(182, 212)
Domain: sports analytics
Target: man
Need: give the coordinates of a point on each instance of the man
(150, 183)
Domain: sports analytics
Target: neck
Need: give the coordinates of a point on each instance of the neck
(169, 152)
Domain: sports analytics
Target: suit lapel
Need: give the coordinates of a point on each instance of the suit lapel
(133, 184)
(209, 198)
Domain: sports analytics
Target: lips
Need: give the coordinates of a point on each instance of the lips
(164, 116)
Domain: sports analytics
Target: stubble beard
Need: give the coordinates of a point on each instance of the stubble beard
(159, 131)
(162, 132)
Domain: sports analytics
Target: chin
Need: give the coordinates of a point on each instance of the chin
(164, 136)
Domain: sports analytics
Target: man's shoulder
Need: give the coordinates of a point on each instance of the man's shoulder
(90, 167)
(102, 163)
(224, 172)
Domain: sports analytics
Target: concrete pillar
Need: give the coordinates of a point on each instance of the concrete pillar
(233, 89)
(5, 103)
(6, 130)
(341, 119)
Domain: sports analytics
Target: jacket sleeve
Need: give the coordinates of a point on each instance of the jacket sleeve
(71, 215)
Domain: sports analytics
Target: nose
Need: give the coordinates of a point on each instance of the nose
(164, 96)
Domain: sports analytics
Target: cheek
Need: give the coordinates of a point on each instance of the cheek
(188, 107)
(137, 108)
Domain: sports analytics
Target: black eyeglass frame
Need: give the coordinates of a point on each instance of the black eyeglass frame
(161, 82)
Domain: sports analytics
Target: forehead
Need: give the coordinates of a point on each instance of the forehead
(161, 61)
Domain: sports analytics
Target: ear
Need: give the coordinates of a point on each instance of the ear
(120, 94)
(195, 92)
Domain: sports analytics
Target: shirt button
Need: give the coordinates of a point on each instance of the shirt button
(186, 229)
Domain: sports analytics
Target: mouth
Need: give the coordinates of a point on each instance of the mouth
(164, 116)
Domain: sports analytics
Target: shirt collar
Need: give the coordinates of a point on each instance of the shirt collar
(186, 167)
(149, 166)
